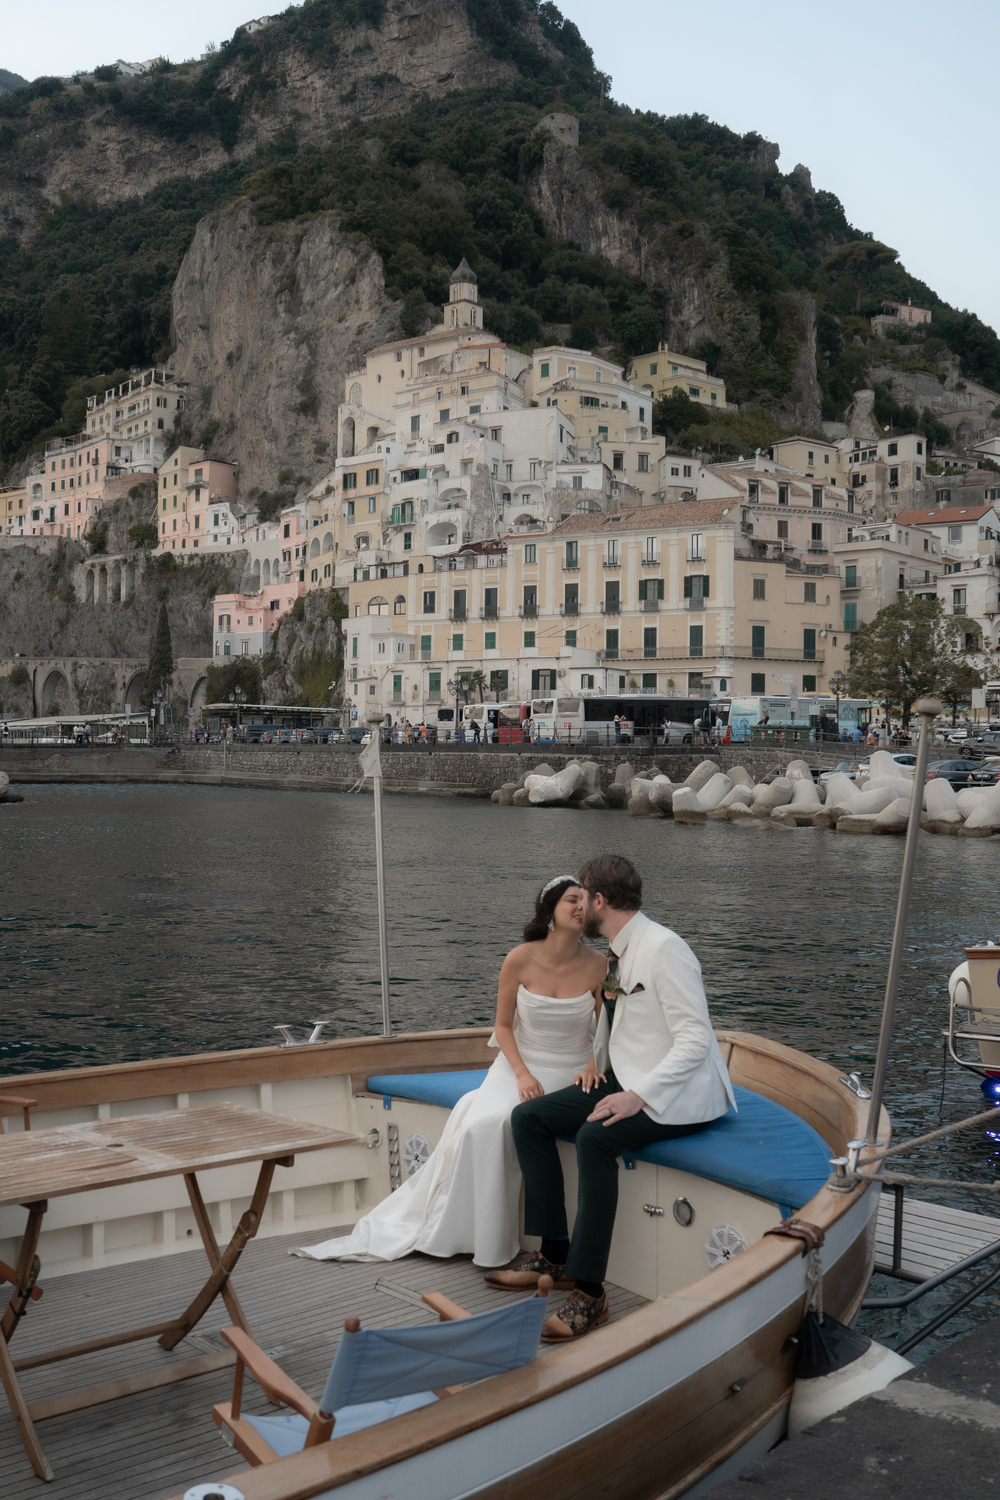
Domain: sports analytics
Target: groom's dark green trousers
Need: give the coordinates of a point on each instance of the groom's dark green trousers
(537, 1125)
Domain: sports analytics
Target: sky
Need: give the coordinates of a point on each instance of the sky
(889, 105)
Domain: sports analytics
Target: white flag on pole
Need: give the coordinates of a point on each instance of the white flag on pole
(369, 759)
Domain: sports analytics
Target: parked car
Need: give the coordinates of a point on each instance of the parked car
(955, 771)
(357, 733)
(986, 775)
(277, 737)
(303, 737)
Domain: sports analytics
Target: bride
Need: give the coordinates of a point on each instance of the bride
(465, 1196)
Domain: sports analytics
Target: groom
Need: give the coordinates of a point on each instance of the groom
(663, 1077)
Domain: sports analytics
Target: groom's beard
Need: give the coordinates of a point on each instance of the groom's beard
(591, 927)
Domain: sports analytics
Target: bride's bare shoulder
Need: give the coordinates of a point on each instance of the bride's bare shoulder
(517, 957)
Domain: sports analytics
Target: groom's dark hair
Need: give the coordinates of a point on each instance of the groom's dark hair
(615, 878)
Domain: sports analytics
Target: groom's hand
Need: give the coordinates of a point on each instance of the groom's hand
(616, 1107)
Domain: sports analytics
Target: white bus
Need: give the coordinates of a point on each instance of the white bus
(811, 717)
(590, 720)
(503, 719)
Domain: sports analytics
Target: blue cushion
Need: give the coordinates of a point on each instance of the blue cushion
(429, 1088)
(287, 1434)
(763, 1149)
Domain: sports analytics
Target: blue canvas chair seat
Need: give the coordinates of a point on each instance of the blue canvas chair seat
(379, 1373)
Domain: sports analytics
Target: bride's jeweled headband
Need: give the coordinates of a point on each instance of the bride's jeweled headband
(559, 880)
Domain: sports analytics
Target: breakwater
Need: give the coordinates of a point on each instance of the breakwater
(459, 771)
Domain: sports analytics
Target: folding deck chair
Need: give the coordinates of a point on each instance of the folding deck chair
(379, 1373)
(10, 1273)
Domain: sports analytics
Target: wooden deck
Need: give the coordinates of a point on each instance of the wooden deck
(934, 1237)
(158, 1442)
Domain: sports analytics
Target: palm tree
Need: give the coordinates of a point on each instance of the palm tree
(478, 681)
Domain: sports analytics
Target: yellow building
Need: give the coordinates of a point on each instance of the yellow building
(811, 457)
(14, 509)
(172, 492)
(665, 374)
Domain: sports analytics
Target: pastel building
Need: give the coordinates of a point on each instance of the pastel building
(243, 624)
(665, 374)
(196, 503)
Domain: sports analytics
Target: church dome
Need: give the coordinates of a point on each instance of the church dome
(464, 272)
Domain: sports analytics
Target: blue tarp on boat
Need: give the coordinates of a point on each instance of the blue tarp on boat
(763, 1149)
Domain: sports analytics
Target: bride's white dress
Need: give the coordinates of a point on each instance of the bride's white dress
(465, 1196)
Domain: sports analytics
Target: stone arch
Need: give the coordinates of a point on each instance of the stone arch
(198, 695)
(275, 570)
(116, 582)
(264, 573)
(314, 547)
(56, 696)
(133, 691)
(128, 580)
(328, 542)
(444, 534)
(378, 605)
(36, 492)
(524, 520)
(255, 571)
(347, 439)
(102, 585)
(354, 394)
(88, 587)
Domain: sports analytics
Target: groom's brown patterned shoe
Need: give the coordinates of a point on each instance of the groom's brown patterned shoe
(577, 1316)
(525, 1271)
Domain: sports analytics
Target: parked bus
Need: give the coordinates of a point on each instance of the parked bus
(591, 720)
(811, 717)
(505, 721)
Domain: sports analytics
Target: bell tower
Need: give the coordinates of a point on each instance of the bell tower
(462, 309)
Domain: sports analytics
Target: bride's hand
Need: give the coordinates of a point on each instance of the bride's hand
(528, 1088)
(590, 1077)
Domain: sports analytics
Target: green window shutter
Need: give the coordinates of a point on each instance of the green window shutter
(642, 590)
(535, 676)
(850, 617)
(757, 641)
(659, 588)
(758, 682)
(706, 586)
(851, 576)
(809, 645)
(687, 588)
(696, 640)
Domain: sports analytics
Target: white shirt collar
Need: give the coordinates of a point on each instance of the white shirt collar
(621, 942)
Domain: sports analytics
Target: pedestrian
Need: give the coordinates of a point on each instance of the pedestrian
(476, 735)
(618, 730)
(409, 732)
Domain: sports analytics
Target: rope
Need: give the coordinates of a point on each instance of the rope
(896, 1179)
(814, 1286)
(934, 1135)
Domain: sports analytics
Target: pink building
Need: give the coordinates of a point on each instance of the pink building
(195, 509)
(242, 624)
(70, 489)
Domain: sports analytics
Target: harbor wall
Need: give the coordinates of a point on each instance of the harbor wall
(459, 771)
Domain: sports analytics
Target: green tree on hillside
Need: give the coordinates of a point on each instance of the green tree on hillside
(859, 260)
(161, 661)
(240, 672)
(913, 649)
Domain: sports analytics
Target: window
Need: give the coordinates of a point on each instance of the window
(809, 645)
(372, 502)
(954, 533)
(753, 492)
(808, 684)
(649, 682)
(458, 643)
(399, 605)
(407, 541)
(349, 510)
(758, 682)
(782, 494)
(919, 471)
(809, 456)
(452, 437)
(371, 476)
(474, 411)
(490, 640)
(618, 461)
(816, 531)
(650, 588)
(570, 638)
(530, 600)
(463, 390)
(809, 593)
(572, 555)
(696, 635)
(694, 390)
(850, 617)
(697, 586)
(531, 553)
(850, 576)
(649, 644)
(758, 588)
(893, 479)
(578, 481)
(612, 555)
(586, 680)
(430, 601)
(611, 644)
(529, 639)
(958, 599)
(643, 463)
(434, 684)
(757, 640)
(445, 416)
(544, 369)
(350, 483)
(817, 495)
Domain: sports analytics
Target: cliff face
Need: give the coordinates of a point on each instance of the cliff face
(414, 55)
(268, 322)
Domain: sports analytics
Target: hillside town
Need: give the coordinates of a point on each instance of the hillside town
(511, 523)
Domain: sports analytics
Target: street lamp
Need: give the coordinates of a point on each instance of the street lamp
(239, 697)
(838, 685)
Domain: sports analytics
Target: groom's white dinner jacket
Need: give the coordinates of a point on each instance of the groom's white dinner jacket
(661, 1045)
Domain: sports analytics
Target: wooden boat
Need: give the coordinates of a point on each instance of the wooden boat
(664, 1401)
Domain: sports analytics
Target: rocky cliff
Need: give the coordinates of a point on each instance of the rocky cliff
(267, 324)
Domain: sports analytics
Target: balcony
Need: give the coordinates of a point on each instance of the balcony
(458, 614)
(818, 547)
(529, 611)
(571, 567)
(571, 607)
(612, 562)
(490, 612)
(696, 557)
(716, 653)
(611, 607)
(434, 697)
(649, 606)
(650, 560)
(396, 698)
(694, 603)
(427, 656)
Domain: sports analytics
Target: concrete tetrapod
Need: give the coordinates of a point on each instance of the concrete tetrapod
(661, 795)
(894, 818)
(766, 797)
(741, 795)
(712, 793)
(797, 770)
(984, 819)
(941, 801)
(624, 774)
(702, 773)
(687, 807)
(558, 788)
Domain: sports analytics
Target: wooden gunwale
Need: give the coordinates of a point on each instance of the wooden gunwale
(772, 1069)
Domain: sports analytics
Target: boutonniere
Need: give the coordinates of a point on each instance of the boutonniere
(610, 988)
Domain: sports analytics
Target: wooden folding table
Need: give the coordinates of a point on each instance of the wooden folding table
(42, 1164)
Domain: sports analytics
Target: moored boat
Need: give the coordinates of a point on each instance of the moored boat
(685, 1388)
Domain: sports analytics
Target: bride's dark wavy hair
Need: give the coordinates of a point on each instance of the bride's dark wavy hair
(545, 904)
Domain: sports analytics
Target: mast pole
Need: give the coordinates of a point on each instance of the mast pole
(383, 940)
(928, 709)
